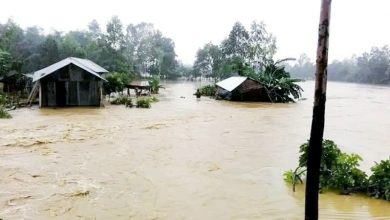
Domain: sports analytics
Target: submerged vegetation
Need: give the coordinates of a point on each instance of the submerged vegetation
(144, 103)
(208, 90)
(123, 100)
(4, 113)
(379, 181)
(4, 103)
(141, 102)
(340, 171)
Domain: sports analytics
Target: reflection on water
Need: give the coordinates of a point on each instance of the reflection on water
(184, 158)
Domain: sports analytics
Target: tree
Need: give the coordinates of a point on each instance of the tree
(5, 62)
(303, 68)
(237, 44)
(48, 51)
(139, 49)
(262, 45)
(115, 36)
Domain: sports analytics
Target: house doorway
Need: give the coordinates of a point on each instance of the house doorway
(61, 93)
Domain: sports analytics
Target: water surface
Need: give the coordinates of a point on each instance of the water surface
(184, 158)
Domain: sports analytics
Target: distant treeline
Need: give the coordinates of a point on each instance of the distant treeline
(370, 67)
(134, 49)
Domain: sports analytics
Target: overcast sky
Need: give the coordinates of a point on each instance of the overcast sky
(356, 25)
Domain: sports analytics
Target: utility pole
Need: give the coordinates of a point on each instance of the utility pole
(318, 121)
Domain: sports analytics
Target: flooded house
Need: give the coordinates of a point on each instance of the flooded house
(70, 82)
(241, 88)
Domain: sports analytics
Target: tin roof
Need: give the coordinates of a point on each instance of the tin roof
(85, 64)
(231, 83)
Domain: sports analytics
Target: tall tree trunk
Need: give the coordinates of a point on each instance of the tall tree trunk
(318, 121)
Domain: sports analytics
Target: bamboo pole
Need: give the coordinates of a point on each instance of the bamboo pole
(318, 121)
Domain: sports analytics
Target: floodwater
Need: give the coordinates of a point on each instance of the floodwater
(184, 158)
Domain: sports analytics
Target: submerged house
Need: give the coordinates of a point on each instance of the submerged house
(70, 82)
(241, 88)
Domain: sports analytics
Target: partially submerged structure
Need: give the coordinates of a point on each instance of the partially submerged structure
(14, 81)
(140, 87)
(241, 88)
(70, 82)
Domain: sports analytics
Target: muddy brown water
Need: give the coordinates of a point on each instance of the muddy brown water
(184, 158)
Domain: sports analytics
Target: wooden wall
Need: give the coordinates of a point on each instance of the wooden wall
(70, 86)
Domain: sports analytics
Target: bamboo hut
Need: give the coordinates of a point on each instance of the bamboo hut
(70, 82)
(240, 88)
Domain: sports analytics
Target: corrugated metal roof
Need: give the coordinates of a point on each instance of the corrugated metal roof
(93, 66)
(140, 83)
(231, 83)
(85, 64)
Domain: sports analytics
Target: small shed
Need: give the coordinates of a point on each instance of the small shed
(70, 82)
(140, 87)
(241, 88)
(9, 82)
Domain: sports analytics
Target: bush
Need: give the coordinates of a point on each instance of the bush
(346, 176)
(208, 90)
(338, 170)
(116, 82)
(4, 113)
(144, 103)
(123, 100)
(379, 181)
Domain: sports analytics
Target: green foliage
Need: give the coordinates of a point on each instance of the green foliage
(338, 170)
(116, 82)
(330, 153)
(132, 49)
(346, 176)
(123, 100)
(208, 90)
(379, 181)
(4, 113)
(294, 177)
(155, 85)
(144, 103)
(277, 82)
(4, 102)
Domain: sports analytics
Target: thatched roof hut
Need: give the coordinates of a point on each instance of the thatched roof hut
(70, 82)
(241, 88)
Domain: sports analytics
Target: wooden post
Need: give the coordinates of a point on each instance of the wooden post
(318, 121)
